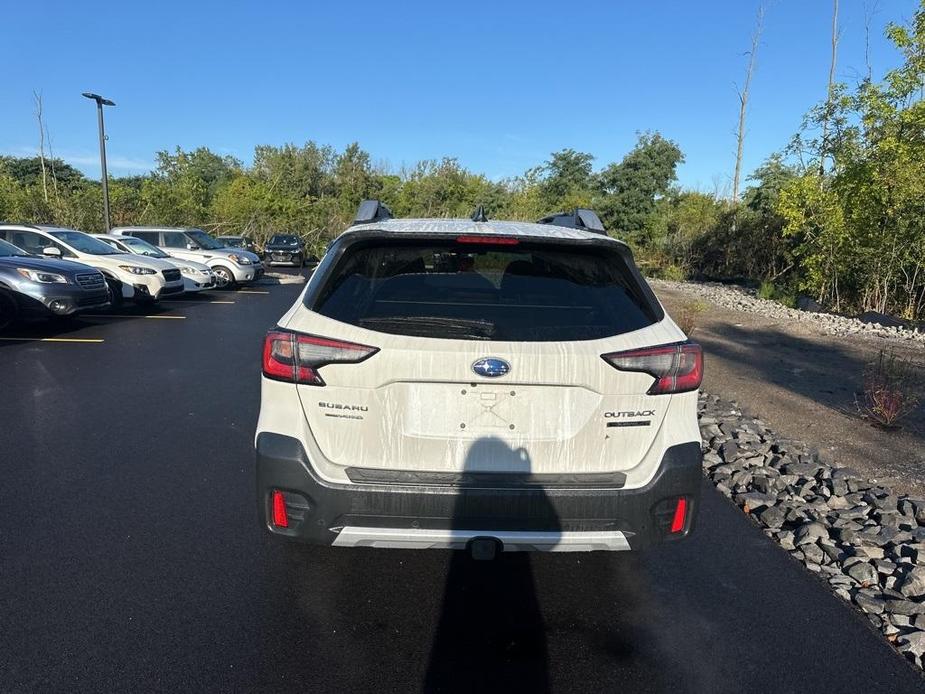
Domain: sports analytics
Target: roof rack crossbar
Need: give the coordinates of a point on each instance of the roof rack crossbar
(580, 218)
(372, 211)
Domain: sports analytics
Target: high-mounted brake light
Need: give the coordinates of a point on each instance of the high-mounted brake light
(489, 240)
(677, 368)
(296, 358)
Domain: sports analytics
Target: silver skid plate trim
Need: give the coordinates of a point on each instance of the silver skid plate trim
(514, 541)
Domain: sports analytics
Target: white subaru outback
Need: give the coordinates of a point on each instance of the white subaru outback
(478, 385)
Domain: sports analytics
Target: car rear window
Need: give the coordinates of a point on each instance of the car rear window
(528, 292)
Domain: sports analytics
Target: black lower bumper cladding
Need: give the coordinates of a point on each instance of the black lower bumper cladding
(318, 506)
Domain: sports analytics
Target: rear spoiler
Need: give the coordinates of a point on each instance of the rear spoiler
(372, 211)
(580, 218)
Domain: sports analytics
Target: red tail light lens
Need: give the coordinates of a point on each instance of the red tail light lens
(280, 517)
(492, 240)
(296, 358)
(677, 368)
(680, 516)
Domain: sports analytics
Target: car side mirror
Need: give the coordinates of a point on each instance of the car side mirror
(51, 251)
(192, 247)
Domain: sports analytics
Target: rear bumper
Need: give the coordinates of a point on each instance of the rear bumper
(433, 516)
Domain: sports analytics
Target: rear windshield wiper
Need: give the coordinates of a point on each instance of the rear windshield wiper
(432, 326)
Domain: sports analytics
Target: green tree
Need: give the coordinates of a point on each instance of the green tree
(629, 192)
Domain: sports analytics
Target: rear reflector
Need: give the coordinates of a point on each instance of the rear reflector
(280, 518)
(677, 368)
(296, 358)
(680, 516)
(490, 240)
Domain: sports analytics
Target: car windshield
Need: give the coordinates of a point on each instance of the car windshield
(285, 240)
(8, 250)
(232, 241)
(203, 240)
(531, 292)
(143, 247)
(84, 243)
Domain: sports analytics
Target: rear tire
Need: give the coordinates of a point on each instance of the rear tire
(223, 277)
(9, 310)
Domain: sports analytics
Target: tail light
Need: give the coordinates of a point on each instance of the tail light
(296, 358)
(677, 368)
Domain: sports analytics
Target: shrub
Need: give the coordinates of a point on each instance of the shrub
(891, 389)
(772, 292)
(688, 318)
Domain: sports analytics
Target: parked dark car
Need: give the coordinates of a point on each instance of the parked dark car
(244, 242)
(285, 249)
(33, 287)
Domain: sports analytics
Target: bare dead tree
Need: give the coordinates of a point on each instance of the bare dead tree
(870, 9)
(743, 102)
(829, 90)
(38, 114)
(51, 161)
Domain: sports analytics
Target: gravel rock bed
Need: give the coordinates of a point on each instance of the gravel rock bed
(746, 300)
(864, 540)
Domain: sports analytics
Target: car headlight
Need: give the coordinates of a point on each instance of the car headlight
(187, 270)
(42, 277)
(240, 259)
(137, 270)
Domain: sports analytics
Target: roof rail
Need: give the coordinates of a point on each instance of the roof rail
(581, 218)
(372, 211)
(479, 214)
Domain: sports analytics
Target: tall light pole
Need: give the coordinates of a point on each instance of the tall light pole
(100, 102)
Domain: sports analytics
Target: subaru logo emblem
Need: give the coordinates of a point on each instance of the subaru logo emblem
(491, 367)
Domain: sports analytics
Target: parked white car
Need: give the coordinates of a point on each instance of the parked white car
(196, 276)
(143, 280)
(486, 385)
(230, 265)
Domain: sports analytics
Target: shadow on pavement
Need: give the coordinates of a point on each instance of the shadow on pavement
(490, 632)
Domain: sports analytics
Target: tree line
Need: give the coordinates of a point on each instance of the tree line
(838, 213)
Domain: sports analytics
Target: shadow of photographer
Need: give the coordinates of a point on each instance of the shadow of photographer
(490, 631)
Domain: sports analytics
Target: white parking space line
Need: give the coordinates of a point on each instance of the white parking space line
(76, 340)
(250, 291)
(114, 315)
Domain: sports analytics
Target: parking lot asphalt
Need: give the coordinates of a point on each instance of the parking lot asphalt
(131, 556)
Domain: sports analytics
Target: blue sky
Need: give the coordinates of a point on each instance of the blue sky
(499, 85)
